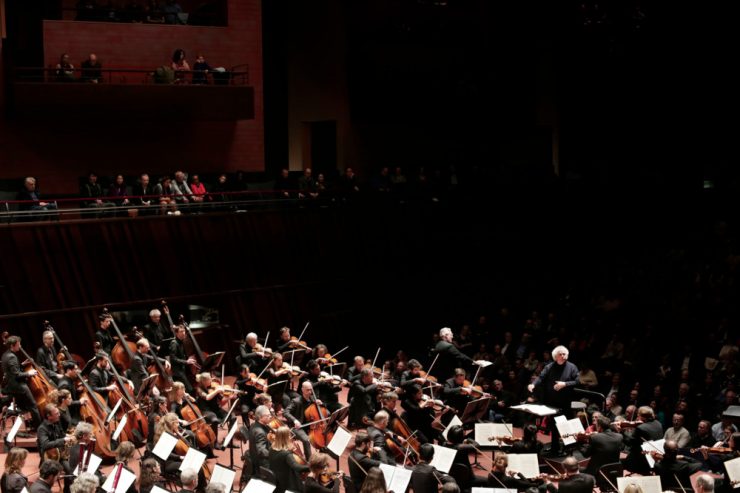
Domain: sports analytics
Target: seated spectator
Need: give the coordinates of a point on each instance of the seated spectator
(220, 188)
(181, 190)
(171, 10)
(321, 186)
(118, 192)
(166, 195)
(283, 185)
(141, 189)
(180, 65)
(93, 191)
(153, 13)
(92, 69)
(201, 70)
(33, 197)
(198, 189)
(307, 186)
(65, 71)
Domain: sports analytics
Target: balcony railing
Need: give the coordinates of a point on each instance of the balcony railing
(237, 75)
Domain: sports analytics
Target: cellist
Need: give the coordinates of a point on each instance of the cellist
(15, 380)
(69, 382)
(103, 335)
(142, 359)
(295, 414)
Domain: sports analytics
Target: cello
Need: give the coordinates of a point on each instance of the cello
(95, 411)
(123, 352)
(39, 384)
(317, 415)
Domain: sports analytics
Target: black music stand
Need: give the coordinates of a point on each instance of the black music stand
(212, 361)
(337, 416)
(475, 410)
(593, 394)
(88, 366)
(146, 386)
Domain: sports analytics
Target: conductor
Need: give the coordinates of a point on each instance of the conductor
(558, 380)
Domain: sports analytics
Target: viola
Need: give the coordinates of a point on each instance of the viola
(713, 450)
(326, 479)
(474, 391)
(435, 404)
(266, 352)
(332, 379)
(506, 439)
(296, 343)
(260, 384)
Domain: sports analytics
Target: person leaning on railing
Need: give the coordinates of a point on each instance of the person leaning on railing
(32, 198)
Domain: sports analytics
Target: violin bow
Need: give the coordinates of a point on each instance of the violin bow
(608, 480)
(335, 354)
(266, 366)
(679, 483)
(377, 353)
(303, 331)
(358, 464)
(266, 338)
(475, 377)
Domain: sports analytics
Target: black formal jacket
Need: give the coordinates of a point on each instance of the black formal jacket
(296, 410)
(13, 482)
(105, 339)
(603, 449)
(357, 474)
(287, 470)
(578, 483)
(177, 356)
(99, 379)
(450, 358)
(363, 403)
(452, 395)
(259, 447)
(40, 486)
(46, 359)
(14, 380)
(49, 435)
(138, 371)
(425, 478)
(635, 460)
(562, 398)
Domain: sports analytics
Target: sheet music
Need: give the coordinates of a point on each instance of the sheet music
(258, 486)
(165, 446)
(193, 460)
(649, 484)
(92, 466)
(492, 490)
(396, 478)
(339, 442)
(482, 363)
(527, 464)
(733, 471)
(455, 421)
(223, 475)
(157, 489)
(24, 490)
(483, 431)
(443, 458)
(113, 411)
(537, 409)
(568, 427)
(653, 446)
(125, 480)
(120, 426)
(230, 435)
(14, 430)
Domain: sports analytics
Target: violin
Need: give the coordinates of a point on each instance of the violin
(435, 404)
(332, 379)
(474, 391)
(260, 384)
(713, 450)
(296, 343)
(327, 478)
(505, 439)
(295, 371)
(627, 424)
(258, 348)
(326, 359)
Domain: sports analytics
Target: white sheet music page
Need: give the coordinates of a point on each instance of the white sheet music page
(443, 458)
(527, 464)
(653, 446)
(223, 475)
(113, 411)
(484, 431)
(568, 427)
(537, 409)
(258, 486)
(120, 426)
(193, 460)
(14, 430)
(339, 442)
(230, 435)
(733, 471)
(125, 480)
(165, 446)
(492, 490)
(157, 489)
(649, 484)
(92, 466)
(401, 479)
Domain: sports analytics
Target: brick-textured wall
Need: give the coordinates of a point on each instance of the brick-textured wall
(58, 154)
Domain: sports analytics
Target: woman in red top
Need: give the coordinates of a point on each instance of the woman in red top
(198, 188)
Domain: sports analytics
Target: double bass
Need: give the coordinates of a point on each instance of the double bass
(122, 353)
(202, 431)
(63, 354)
(164, 380)
(95, 411)
(39, 384)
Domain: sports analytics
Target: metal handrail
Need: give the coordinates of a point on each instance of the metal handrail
(237, 75)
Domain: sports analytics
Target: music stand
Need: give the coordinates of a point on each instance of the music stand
(212, 361)
(337, 416)
(474, 410)
(146, 386)
(88, 366)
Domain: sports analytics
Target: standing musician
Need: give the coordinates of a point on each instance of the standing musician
(425, 478)
(449, 356)
(46, 357)
(49, 473)
(179, 360)
(13, 480)
(361, 459)
(319, 480)
(259, 446)
(141, 360)
(325, 390)
(648, 428)
(157, 330)
(558, 379)
(376, 431)
(420, 414)
(14, 380)
(251, 353)
(283, 462)
(453, 394)
(209, 397)
(102, 335)
(52, 437)
(363, 403)
(295, 413)
(100, 378)
(278, 378)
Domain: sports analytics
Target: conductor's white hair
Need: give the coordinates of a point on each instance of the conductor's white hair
(155, 313)
(444, 331)
(560, 350)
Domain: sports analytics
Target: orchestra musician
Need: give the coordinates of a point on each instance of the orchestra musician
(449, 356)
(325, 389)
(603, 447)
(363, 403)
(179, 359)
(124, 453)
(209, 397)
(46, 357)
(13, 480)
(574, 481)
(295, 414)
(425, 478)
(259, 446)
(83, 436)
(62, 400)
(100, 378)
(103, 336)
(419, 414)
(49, 472)
(251, 353)
(453, 394)
(411, 376)
(68, 383)
(456, 439)
(14, 380)
(142, 359)
(388, 401)
(557, 379)
(648, 428)
(377, 433)
(159, 409)
(50, 436)
(278, 378)
(499, 476)
(675, 471)
(283, 462)
(319, 480)
(157, 331)
(151, 476)
(189, 480)
(501, 401)
(361, 459)
(355, 371)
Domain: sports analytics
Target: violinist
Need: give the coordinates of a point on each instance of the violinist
(246, 398)
(377, 433)
(324, 387)
(456, 440)
(13, 480)
(287, 343)
(673, 468)
(319, 355)
(46, 357)
(647, 428)
(151, 475)
(142, 359)
(15, 381)
(419, 414)
(278, 378)
(210, 396)
(49, 474)
(179, 359)
(157, 331)
(295, 414)
(283, 462)
(363, 404)
(124, 453)
(361, 459)
(499, 475)
(259, 446)
(251, 353)
(425, 478)
(103, 336)
(453, 394)
(100, 377)
(320, 479)
(603, 447)
(573, 481)
(412, 376)
(355, 371)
